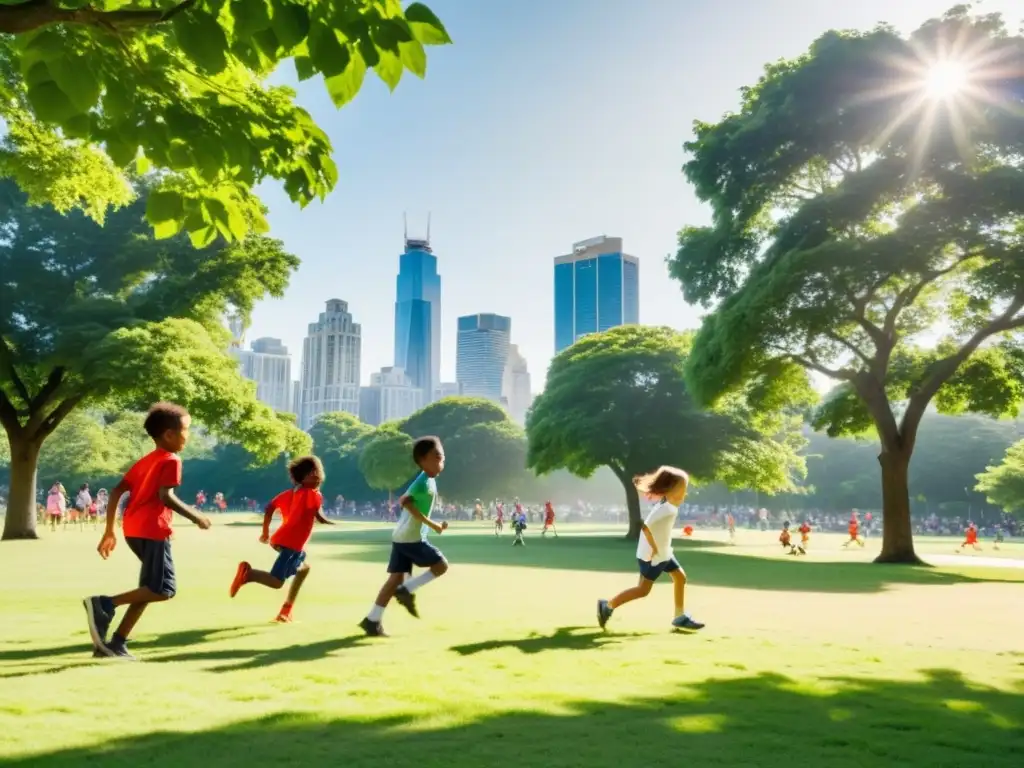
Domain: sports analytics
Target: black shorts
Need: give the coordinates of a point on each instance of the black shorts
(157, 572)
(404, 555)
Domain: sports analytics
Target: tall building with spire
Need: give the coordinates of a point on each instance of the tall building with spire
(418, 315)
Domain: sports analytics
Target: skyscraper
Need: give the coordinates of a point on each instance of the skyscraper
(515, 386)
(597, 287)
(482, 354)
(391, 395)
(418, 316)
(270, 366)
(330, 364)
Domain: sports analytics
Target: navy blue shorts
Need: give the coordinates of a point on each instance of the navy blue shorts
(404, 555)
(652, 572)
(157, 572)
(287, 563)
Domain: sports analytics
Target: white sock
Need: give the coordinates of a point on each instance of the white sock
(418, 581)
(376, 613)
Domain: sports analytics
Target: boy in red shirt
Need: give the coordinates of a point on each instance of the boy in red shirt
(971, 537)
(147, 529)
(300, 507)
(805, 537)
(854, 531)
(549, 519)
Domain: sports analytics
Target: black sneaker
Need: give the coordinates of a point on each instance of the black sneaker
(372, 628)
(685, 621)
(407, 600)
(604, 612)
(116, 649)
(99, 620)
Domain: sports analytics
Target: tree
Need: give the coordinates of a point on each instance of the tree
(93, 90)
(855, 210)
(486, 461)
(1003, 483)
(108, 317)
(618, 399)
(386, 461)
(338, 439)
(446, 417)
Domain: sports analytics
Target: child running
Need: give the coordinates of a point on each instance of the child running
(409, 545)
(654, 551)
(518, 526)
(549, 519)
(998, 538)
(970, 538)
(499, 520)
(854, 531)
(786, 538)
(147, 529)
(730, 523)
(805, 537)
(301, 506)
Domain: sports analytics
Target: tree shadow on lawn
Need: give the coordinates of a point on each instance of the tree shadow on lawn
(704, 565)
(562, 639)
(248, 658)
(766, 721)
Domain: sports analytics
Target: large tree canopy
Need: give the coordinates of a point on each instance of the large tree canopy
(1003, 483)
(857, 208)
(109, 317)
(618, 399)
(90, 89)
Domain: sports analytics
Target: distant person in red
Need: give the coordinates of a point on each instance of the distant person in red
(971, 537)
(805, 536)
(786, 538)
(147, 529)
(300, 506)
(499, 520)
(200, 500)
(549, 519)
(854, 531)
(730, 523)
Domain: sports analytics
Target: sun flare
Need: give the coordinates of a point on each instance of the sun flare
(945, 79)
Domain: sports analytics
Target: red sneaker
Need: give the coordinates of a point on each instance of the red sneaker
(241, 576)
(284, 618)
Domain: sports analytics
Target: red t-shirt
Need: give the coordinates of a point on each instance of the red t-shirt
(298, 508)
(146, 517)
(549, 513)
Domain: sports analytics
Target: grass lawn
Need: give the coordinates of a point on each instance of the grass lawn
(825, 662)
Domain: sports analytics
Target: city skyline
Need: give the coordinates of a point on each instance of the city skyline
(417, 348)
(481, 354)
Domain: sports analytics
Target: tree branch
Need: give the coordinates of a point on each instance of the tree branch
(53, 382)
(58, 415)
(908, 296)
(849, 345)
(17, 19)
(9, 416)
(872, 391)
(19, 385)
(843, 375)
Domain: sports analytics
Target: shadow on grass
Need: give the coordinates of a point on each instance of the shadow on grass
(766, 721)
(247, 658)
(186, 637)
(563, 639)
(706, 563)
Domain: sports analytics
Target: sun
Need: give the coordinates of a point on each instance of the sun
(946, 79)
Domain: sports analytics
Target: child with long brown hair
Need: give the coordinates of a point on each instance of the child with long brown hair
(654, 551)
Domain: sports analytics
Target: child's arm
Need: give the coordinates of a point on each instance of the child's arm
(410, 506)
(171, 501)
(268, 515)
(650, 539)
(109, 540)
(320, 517)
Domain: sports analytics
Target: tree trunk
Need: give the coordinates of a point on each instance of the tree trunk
(897, 531)
(20, 522)
(636, 520)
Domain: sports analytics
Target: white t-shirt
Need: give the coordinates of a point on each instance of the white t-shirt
(660, 520)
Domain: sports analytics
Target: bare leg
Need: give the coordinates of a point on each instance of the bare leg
(679, 589)
(296, 585)
(264, 578)
(388, 590)
(642, 589)
(136, 600)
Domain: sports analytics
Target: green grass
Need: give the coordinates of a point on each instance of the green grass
(826, 661)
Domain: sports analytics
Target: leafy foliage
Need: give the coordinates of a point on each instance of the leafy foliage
(851, 216)
(92, 91)
(1003, 483)
(447, 417)
(386, 461)
(338, 439)
(109, 317)
(619, 399)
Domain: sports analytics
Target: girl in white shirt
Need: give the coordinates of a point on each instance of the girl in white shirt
(654, 551)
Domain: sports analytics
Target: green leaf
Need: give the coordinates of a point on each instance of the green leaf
(118, 100)
(162, 230)
(219, 214)
(204, 236)
(385, 36)
(76, 78)
(165, 205)
(345, 86)
(179, 156)
(414, 57)
(78, 127)
(269, 47)
(251, 16)
(121, 152)
(50, 103)
(202, 39)
(291, 24)
(304, 67)
(369, 52)
(45, 44)
(329, 55)
(427, 28)
(389, 69)
(37, 74)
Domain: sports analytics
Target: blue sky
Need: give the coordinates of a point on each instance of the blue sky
(548, 122)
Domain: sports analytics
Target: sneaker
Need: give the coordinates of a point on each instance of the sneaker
(407, 600)
(372, 628)
(99, 620)
(283, 618)
(116, 649)
(604, 612)
(686, 622)
(241, 576)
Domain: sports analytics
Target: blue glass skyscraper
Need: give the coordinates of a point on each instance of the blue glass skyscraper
(482, 355)
(418, 316)
(597, 287)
